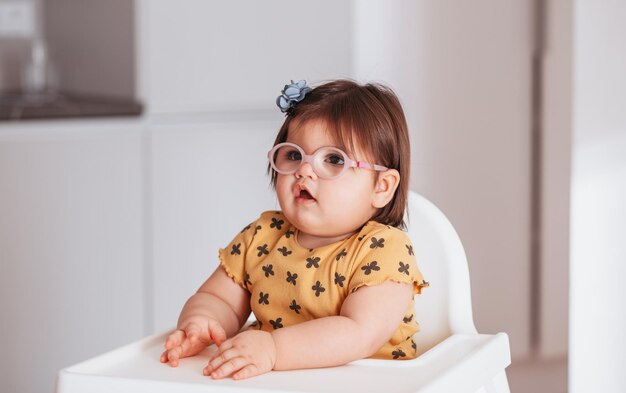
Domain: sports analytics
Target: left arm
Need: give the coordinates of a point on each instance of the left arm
(368, 318)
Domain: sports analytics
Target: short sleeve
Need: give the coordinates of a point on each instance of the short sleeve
(232, 258)
(386, 255)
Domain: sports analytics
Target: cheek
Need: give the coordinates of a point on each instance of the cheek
(351, 196)
(283, 187)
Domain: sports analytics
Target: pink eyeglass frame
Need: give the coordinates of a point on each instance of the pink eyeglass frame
(310, 158)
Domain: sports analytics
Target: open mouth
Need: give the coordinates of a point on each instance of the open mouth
(304, 194)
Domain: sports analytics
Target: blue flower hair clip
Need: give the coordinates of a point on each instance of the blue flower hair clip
(292, 94)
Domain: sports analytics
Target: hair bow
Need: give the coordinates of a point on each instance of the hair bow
(292, 94)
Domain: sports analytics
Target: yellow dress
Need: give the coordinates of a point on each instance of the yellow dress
(289, 284)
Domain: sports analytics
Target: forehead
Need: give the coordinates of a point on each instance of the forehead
(313, 134)
(309, 130)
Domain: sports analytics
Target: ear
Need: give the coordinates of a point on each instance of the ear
(385, 188)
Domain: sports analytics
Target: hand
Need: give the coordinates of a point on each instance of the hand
(246, 355)
(194, 334)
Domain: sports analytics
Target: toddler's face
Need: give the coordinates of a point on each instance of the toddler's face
(324, 210)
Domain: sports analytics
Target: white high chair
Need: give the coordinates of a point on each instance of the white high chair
(453, 357)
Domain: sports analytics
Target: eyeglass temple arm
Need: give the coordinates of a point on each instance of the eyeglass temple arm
(366, 165)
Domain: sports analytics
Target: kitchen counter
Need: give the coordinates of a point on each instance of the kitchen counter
(15, 106)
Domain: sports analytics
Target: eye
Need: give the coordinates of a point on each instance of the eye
(293, 155)
(334, 159)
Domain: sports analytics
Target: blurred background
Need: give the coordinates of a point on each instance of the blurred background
(133, 137)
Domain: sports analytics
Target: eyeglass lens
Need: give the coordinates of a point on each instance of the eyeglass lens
(327, 162)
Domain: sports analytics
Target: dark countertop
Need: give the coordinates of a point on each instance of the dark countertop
(16, 106)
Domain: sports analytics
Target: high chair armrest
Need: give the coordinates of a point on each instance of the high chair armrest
(461, 363)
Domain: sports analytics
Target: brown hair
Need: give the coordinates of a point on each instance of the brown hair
(369, 116)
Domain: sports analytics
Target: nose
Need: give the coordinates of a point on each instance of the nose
(306, 170)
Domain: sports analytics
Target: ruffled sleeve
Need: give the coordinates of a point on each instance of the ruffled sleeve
(233, 257)
(386, 255)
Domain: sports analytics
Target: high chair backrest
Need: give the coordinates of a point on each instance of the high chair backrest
(445, 307)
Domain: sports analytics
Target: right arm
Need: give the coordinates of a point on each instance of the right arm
(216, 311)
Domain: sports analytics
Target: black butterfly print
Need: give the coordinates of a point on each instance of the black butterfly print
(277, 324)
(376, 243)
(283, 250)
(262, 250)
(413, 345)
(372, 266)
(318, 288)
(245, 229)
(314, 261)
(257, 229)
(236, 249)
(408, 319)
(424, 283)
(360, 238)
(291, 278)
(409, 249)
(277, 223)
(268, 269)
(246, 280)
(264, 298)
(289, 233)
(295, 307)
(339, 279)
(404, 268)
(342, 254)
(398, 353)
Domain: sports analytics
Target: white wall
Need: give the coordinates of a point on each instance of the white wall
(206, 57)
(598, 212)
(463, 73)
(556, 145)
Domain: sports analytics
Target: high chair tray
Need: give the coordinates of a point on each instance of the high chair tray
(461, 363)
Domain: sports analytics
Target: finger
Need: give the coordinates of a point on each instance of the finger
(212, 351)
(165, 356)
(221, 358)
(173, 356)
(217, 350)
(228, 344)
(217, 332)
(193, 331)
(174, 339)
(251, 370)
(229, 367)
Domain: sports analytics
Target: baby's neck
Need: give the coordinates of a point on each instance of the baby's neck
(312, 241)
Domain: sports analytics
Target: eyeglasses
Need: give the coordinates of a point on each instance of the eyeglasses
(327, 162)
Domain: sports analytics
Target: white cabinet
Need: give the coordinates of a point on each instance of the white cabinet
(208, 181)
(71, 259)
